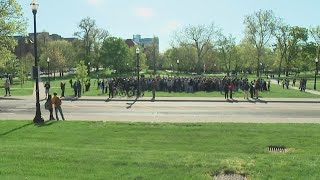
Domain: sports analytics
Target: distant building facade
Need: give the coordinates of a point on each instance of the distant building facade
(25, 43)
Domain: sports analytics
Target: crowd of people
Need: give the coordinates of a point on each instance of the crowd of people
(225, 85)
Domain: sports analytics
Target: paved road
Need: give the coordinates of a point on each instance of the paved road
(171, 111)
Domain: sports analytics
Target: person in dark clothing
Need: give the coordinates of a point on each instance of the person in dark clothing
(111, 89)
(251, 90)
(48, 105)
(63, 88)
(231, 89)
(226, 90)
(75, 87)
(154, 86)
(79, 87)
(70, 81)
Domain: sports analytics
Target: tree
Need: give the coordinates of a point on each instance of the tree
(118, 56)
(315, 34)
(61, 54)
(281, 33)
(289, 45)
(227, 49)
(92, 38)
(81, 73)
(199, 37)
(11, 23)
(245, 56)
(259, 30)
(152, 53)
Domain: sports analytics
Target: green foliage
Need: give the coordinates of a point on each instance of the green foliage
(82, 72)
(11, 23)
(118, 56)
(61, 54)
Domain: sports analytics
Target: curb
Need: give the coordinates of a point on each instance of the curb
(192, 100)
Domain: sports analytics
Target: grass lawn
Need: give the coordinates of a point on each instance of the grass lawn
(97, 150)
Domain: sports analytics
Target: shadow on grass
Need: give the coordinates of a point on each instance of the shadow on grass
(131, 104)
(16, 129)
(46, 123)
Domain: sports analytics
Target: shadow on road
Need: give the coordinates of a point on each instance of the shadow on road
(16, 129)
(261, 101)
(131, 104)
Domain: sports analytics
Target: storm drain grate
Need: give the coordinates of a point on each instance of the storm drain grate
(277, 149)
(229, 177)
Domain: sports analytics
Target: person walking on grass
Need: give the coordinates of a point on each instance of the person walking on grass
(7, 87)
(56, 101)
(48, 106)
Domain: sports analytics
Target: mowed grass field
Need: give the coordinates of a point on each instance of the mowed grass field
(98, 150)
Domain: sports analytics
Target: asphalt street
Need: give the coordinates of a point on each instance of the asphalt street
(170, 111)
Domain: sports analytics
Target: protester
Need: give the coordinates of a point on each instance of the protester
(47, 89)
(7, 87)
(48, 106)
(56, 101)
(63, 88)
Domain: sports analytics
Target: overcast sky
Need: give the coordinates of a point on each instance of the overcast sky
(123, 18)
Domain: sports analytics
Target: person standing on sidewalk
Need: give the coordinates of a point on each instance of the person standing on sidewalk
(48, 106)
(47, 89)
(154, 87)
(56, 101)
(63, 88)
(231, 89)
(7, 87)
(226, 90)
(246, 90)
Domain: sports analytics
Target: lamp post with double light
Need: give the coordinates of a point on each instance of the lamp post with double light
(34, 8)
(178, 61)
(315, 74)
(89, 68)
(138, 71)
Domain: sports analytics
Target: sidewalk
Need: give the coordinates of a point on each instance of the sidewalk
(194, 99)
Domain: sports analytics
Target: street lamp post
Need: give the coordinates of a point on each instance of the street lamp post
(48, 61)
(178, 61)
(89, 68)
(34, 7)
(138, 71)
(315, 74)
(260, 69)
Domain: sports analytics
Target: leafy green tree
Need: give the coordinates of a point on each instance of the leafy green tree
(61, 54)
(289, 43)
(200, 37)
(315, 34)
(118, 56)
(11, 23)
(227, 49)
(259, 30)
(92, 38)
(152, 53)
(82, 73)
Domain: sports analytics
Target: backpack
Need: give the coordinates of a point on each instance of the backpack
(46, 105)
